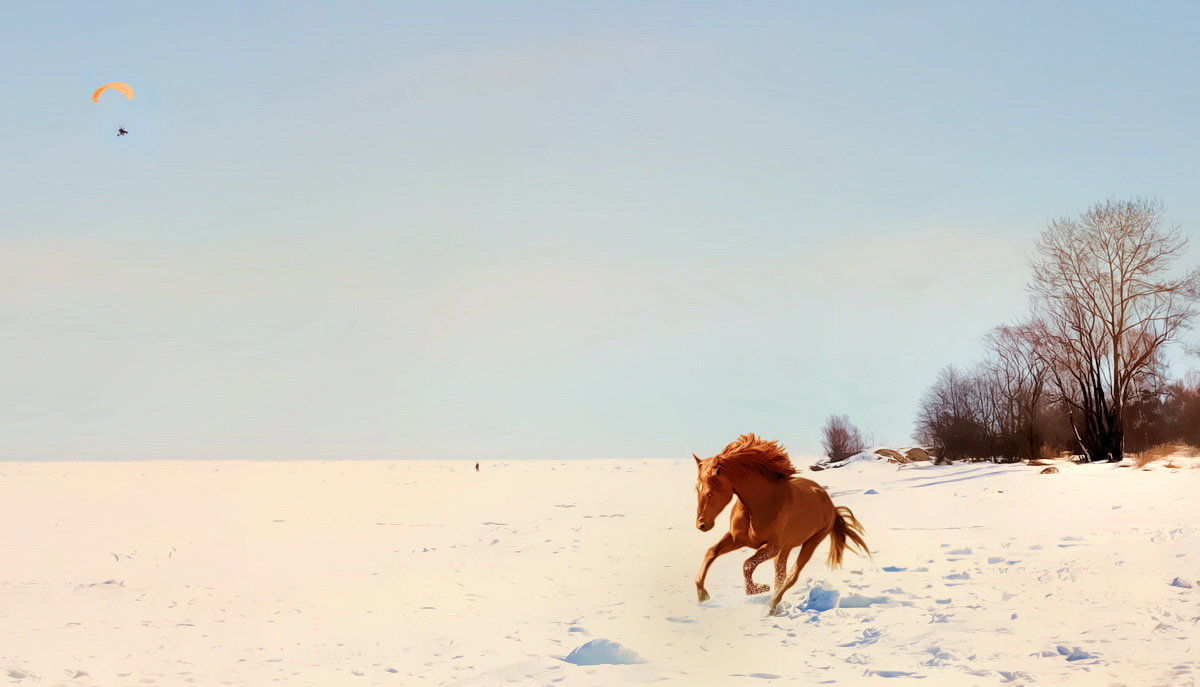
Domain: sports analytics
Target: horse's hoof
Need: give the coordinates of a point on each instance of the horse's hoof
(702, 594)
(757, 589)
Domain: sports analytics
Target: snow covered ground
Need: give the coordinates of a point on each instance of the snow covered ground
(415, 573)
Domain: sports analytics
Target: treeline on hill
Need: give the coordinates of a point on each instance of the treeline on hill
(1085, 373)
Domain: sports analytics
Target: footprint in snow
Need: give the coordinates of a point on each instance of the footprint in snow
(1075, 654)
(893, 673)
(868, 637)
(860, 601)
(937, 656)
(857, 659)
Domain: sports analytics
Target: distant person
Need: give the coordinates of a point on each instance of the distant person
(121, 132)
(476, 466)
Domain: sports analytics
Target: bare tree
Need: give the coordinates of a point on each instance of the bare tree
(1182, 412)
(840, 438)
(1021, 378)
(1106, 307)
(950, 416)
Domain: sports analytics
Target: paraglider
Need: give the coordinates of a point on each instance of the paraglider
(118, 86)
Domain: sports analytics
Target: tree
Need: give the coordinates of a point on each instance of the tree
(1021, 378)
(840, 438)
(950, 418)
(1106, 305)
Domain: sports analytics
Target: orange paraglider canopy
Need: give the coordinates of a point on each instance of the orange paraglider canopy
(119, 86)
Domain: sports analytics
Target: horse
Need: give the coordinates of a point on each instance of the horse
(774, 513)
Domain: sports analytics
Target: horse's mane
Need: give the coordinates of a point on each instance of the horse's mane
(749, 452)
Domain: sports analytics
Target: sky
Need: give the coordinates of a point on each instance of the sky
(487, 230)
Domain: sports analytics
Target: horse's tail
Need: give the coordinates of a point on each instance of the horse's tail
(847, 531)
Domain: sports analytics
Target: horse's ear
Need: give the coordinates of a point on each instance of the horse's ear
(697, 458)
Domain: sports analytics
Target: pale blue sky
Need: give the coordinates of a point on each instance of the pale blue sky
(545, 230)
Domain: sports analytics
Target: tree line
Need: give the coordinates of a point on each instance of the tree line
(1085, 372)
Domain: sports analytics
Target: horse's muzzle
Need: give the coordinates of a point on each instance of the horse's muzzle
(703, 526)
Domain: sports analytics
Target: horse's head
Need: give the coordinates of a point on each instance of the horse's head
(713, 492)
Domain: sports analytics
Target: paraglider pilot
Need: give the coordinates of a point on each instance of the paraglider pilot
(121, 132)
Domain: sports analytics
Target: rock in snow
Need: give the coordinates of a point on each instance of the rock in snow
(602, 652)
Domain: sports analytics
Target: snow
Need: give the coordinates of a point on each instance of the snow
(821, 598)
(428, 573)
(826, 463)
(1180, 460)
(600, 652)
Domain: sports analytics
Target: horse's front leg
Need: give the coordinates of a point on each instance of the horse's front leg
(764, 552)
(723, 546)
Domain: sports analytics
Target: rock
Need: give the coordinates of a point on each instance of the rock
(892, 455)
(917, 453)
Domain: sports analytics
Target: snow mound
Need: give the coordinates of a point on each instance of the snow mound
(821, 598)
(881, 454)
(1180, 582)
(602, 652)
(829, 464)
(1173, 463)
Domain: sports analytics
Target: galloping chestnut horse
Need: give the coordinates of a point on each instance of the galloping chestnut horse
(775, 512)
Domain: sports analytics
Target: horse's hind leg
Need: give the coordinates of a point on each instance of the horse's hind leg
(806, 552)
(723, 546)
(764, 552)
(781, 558)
